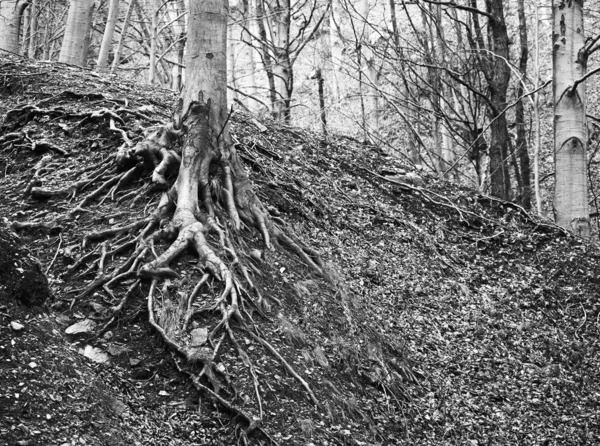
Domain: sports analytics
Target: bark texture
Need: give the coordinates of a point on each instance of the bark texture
(76, 41)
(571, 209)
(10, 20)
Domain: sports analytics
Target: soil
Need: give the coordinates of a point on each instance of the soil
(449, 317)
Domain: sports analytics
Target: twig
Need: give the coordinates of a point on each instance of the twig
(56, 254)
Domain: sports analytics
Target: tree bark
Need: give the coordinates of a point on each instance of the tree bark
(76, 41)
(571, 209)
(521, 140)
(496, 69)
(111, 21)
(11, 12)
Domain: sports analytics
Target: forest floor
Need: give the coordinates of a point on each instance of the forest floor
(450, 318)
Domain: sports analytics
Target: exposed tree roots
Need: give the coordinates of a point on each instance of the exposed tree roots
(204, 211)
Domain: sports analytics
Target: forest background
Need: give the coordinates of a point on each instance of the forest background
(459, 89)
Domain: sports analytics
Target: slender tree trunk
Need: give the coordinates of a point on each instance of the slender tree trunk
(282, 68)
(267, 59)
(337, 47)
(119, 50)
(111, 21)
(178, 19)
(521, 140)
(33, 32)
(76, 41)
(154, 41)
(571, 209)
(11, 12)
(26, 31)
(497, 73)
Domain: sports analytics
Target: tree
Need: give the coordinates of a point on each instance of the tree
(570, 54)
(11, 12)
(111, 21)
(211, 182)
(521, 130)
(494, 61)
(124, 27)
(76, 41)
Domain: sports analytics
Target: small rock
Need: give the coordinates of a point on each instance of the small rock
(256, 254)
(85, 326)
(95, 354)
(199, 336)
(16, 326)
(32, 364)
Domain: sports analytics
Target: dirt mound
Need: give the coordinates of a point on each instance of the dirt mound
(448, 317)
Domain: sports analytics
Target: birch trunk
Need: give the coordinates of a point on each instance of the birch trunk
(571, 209)
(76, 42)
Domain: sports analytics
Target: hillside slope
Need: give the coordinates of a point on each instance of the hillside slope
(448, 317)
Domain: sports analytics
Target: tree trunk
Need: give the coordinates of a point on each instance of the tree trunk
(248, 54)
(76, 40)
(111, 21)
(282, 67)
(154, 41)
(337, 48)
(571, 209)
(33, 30)
(26, 31)
(119, 50)
(178, 18)
(521, 140)
(497, 73)
(266, 55)
(11, 12)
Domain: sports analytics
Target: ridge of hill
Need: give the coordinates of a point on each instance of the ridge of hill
(449, 317)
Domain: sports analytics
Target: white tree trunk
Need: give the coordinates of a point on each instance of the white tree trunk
(10, 22)
(571, 209)
(76, 42)
(111, 21)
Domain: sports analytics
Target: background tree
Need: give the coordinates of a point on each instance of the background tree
(76, 40)
(570, 55)
(107, 37)
(11, 12)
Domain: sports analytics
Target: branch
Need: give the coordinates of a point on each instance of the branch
(583, 79)
(464, 8)
(590, 47)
